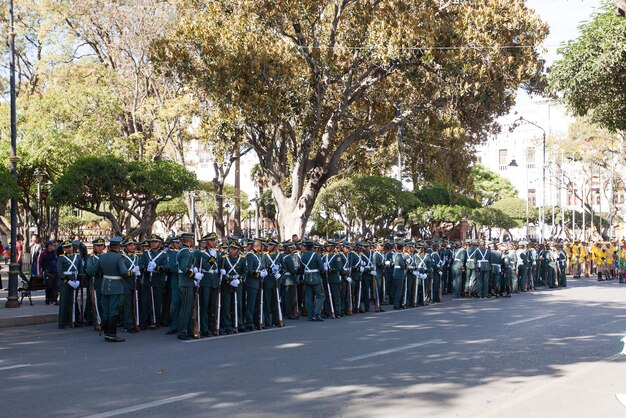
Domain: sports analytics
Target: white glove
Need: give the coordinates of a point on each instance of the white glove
(73, 283)
(198, 276)
(423, 276)
(275, 267)
(387, 263)
(196, 283)
(150, 269)
(213, 253)
(326, 266)
(152, 266)
(223, 272)
(349, 279)
(415, 273)
(263, 273)
(362, 269)
(373, 273)
(363, 263)
(441, 273)
(195, 270)
(277, 275)
(136, 271)
(234, 282)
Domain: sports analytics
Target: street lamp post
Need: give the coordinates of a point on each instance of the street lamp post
(38, 179)
(12, 301)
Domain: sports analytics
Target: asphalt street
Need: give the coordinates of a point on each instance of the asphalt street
(551, 353)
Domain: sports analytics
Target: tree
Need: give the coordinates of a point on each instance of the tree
(515, 208)
(590, 77)
(489, 186)
(364, 203)
(170, 212)
(125, 193)
(314, 81)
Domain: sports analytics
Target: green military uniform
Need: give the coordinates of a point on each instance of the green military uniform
(171, 299)
(207, 263)
(562, 264)
(437, 273)
(252, 283)
(334, 263)
(290, 280)
(459, 258)
(495, 258)
(186, 287)
(471, 271)
(233, 270)
(271, 261)
(132, 285)
(112, 269)
(312, 266)
(378, 262)
(483, 265)
(154, 264)
(423, 267)
(399, 276)
(411, 278)
(95, 286)
(70, 270)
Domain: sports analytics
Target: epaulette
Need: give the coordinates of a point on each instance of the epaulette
(242, 256)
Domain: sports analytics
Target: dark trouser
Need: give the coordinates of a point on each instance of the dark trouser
(522, 278)
(110, 306)
(457, 280)
(398, 292)
(562, 277)
(208, 309)
(291, 300)
(252, 296)
(66, 293)
(130, 305)
(389, 290)
(345, 296)
(167, 302)
(483, 283)
(507, 280)
(52, 287)
(368, 289)
(470, 282)
(175, 306)
(436, 287)
(335, 290)
(151, 301)
(314, 307)
(410, 288)
(229, 294)
(185, 325)
(270, 304)
(357, 295)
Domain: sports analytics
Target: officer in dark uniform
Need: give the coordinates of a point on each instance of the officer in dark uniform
(232, 269)
(271, 262)
(256, 273)
(70, 269)
(312, 266)
(171, 297)
(94, 300)
(131, 285)
(112, 268)
(153, 263)
(207, 263)
(188, 279)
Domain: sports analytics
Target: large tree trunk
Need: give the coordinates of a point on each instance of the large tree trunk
(237, 215)
(219, 207)
(292, 213)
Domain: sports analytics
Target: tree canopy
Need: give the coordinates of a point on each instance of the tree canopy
(591, 76)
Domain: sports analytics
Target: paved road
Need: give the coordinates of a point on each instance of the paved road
(553, 353)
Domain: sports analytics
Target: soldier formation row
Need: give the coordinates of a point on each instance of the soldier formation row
(241, 286)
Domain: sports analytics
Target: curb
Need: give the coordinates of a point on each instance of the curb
(19, 321)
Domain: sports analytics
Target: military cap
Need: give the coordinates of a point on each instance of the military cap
(145, 243)
(49, 242)
(155, 237)
(66, 243)
(234, 244)
(174, 238)
(186, 235)
(210, 236)
(272, 241)
(76, 242)
(116, 240)
(98, 241)
(128, 240)
(287, 243)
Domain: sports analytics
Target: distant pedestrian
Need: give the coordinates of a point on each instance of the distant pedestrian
(47, 268)
(6, 254)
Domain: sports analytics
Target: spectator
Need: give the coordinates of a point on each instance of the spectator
(6, 254)
(47, 267)
(35, 250)
(20, 257)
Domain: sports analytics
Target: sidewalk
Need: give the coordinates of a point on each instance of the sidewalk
(39, 313)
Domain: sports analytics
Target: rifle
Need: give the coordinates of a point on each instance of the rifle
(153, 319)
(404, 299)
(136, 305)
(81, 307)
(94, 302)
(416, 284)
(297, 305)
(196, 307)
(236, 327)
(376, 295)
(349, 312)
(330, 298)
(358, 299)
(261, 322)
(73, 323)
(219, 307)
(280, 311)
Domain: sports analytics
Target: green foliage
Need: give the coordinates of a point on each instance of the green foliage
(440, 195)
(370, 201)
(8, 187)
(423, 216)
(325, 227)
(491, 218)
(591, 76)
(489, 186)
(515, 208)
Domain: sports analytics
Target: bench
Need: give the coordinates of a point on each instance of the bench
(33, 283)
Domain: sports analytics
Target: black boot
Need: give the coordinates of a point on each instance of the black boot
(104, 328)
(112, 337)
(600, 277)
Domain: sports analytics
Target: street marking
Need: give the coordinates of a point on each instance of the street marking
(17, 366)
(392, 350)
(142, 406)
(521, 321)
(235, 335)
(621, 397)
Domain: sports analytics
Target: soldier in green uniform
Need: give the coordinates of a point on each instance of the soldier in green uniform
(358, 267)
(332, 280)
(95, 283)
(70, 269)
(207, 263)
(423, 274)
(346, 279)
(188, 279)
(290, 279)
(112, 269)
(562, 265)
(471, 270)
(153, 263)
(549, 259)
(495, 258)
(509, 261)
(409, 300)
(388, 255)
(483, 264)
(131, 285)
(459, 258)
(271, 283)
(437, 272)
(312, 266)
(255, 274)
(378, 262)
(399, 275)
(232, 269)
(171, 298)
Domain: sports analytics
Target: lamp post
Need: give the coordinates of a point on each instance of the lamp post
(38, 178)
(256, 221)
(513, 163)
(12, 301)
(542, 218)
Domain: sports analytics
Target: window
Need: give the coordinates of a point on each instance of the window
(532, 197)
(503, 156)
(530, 157)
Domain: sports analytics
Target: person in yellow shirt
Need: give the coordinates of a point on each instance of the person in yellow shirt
(576, 248)
(621, 254)
(586, 258)
(567, 249)
(600, 258)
